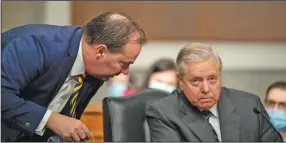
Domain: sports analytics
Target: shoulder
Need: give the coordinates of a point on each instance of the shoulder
(240, 98)
(234, 93)
(39, 31)
(39, 28)
(166, 104)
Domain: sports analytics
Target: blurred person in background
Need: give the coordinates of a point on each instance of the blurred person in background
(117, 85)
(122, 85)
(132, 87)
(162, 75)
(49, 74)
(201, 110)
(275, 104)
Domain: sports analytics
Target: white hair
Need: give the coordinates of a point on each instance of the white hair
(195, 52)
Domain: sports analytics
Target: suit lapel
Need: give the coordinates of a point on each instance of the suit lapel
(229, 121)
(67, 65)
(195, 122)
(71, 54)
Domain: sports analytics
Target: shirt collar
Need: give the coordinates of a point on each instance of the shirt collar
(213, 109)
(78, 66)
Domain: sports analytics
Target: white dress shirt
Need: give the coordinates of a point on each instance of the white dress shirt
(63, 95)
(214, 121)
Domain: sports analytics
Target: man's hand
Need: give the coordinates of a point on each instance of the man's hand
(69, 129)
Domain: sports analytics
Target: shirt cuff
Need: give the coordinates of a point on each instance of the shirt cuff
(41, 127)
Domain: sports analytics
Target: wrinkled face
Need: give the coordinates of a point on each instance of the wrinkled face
(201, 83)
(276, 99)
(104, 64)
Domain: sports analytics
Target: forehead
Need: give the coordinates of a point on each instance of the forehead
(203, 68)
(277, 94)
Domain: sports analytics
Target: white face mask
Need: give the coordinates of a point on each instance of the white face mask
(162, 86)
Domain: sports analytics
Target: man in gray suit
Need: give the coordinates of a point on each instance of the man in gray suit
(202, 110)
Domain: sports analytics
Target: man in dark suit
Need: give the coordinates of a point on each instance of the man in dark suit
(50, 73)
(202, 110)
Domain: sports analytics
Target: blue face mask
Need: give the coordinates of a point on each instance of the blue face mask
(278, 118)
(162, 86)
(116, 89)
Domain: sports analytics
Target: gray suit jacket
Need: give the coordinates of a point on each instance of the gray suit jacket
(173, 118)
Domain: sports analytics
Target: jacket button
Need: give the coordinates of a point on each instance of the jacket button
(27, 124)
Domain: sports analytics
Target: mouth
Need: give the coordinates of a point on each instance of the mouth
(206, 100)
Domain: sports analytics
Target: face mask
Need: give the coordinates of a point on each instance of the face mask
(162, 86)
(116, 89)
(278, 118)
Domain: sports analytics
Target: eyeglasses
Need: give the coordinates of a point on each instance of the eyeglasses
(274, 104)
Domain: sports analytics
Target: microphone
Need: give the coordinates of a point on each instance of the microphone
(257, 111)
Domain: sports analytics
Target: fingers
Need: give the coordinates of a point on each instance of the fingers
(67, 137)
(85, 129)
(71, 129)
(75, 136)
(82, 134)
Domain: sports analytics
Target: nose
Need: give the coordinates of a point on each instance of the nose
(276, 106)
(125, 70)
(205, 87)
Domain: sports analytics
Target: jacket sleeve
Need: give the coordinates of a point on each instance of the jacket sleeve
(267, 132)
(22, 62)
(160, 128)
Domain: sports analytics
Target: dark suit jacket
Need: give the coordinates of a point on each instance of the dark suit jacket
(173, 118)
(36, 60)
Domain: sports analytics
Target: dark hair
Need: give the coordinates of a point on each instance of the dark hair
(277, 84)
(159, 66)
(112, 29)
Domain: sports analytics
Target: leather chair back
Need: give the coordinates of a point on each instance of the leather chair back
(124, 117)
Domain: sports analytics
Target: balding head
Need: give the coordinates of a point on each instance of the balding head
(114, 30)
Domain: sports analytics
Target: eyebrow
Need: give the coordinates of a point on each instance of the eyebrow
(194, 76)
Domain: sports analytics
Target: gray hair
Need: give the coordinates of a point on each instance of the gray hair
(112, 29)
(195, 52)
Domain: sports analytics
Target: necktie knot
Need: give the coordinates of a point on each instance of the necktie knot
(81, 77)
(207, 114)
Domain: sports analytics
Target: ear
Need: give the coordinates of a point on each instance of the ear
(180, 78)
(100, 51)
